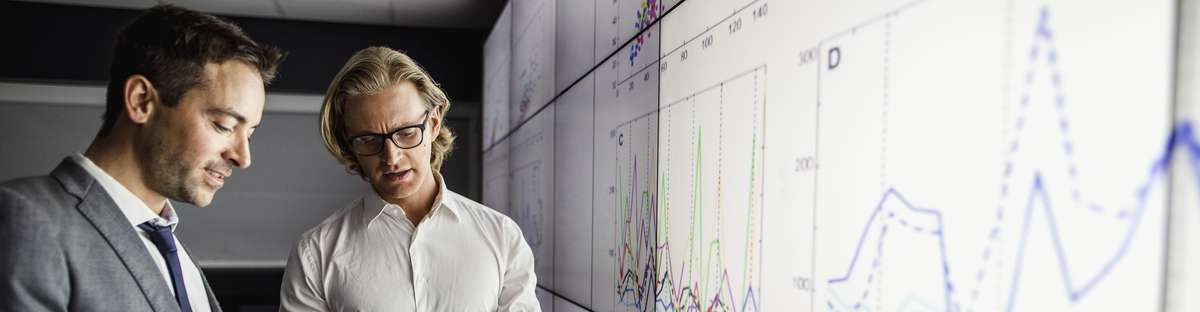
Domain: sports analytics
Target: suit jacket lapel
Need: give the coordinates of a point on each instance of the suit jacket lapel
(103, 213)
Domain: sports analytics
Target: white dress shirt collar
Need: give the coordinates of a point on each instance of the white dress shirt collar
(134, 209)
(374, 205)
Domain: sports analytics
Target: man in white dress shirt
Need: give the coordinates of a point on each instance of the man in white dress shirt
(186, 91)
(408, 244)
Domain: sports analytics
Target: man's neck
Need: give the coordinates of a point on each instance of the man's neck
(117, 160)
(421, 203)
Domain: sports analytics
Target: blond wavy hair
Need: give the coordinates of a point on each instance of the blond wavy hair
(368, 72)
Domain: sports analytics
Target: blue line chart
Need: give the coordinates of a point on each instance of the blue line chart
(894, 210)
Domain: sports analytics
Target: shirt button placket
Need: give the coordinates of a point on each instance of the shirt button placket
(418, 272)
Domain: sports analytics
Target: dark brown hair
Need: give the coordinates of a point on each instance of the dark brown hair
(170, 45)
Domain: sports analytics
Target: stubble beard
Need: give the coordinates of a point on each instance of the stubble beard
(165, 168)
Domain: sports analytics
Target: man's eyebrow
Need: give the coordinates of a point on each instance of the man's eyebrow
(411, 124)
(424, 119)
(352, 134)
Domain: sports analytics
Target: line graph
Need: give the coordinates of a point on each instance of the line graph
(710, 209)
(637, 207)
(528, 206)
(1087, 236)
(530, 173)
(1182, 138)
(920, 155)
(531, 199)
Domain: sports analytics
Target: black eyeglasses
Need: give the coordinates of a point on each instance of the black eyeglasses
(404, 138)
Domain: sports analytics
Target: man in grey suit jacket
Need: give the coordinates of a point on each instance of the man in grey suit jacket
(186, 91)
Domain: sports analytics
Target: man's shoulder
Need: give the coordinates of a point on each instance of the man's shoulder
(467, 205)
(478, 212)
(67, 183)
(35, 185)
(36, 211)
(37, 193)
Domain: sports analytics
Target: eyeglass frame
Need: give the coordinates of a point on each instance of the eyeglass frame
(391, 136)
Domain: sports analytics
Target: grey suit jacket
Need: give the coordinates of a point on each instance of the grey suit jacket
(66, 246)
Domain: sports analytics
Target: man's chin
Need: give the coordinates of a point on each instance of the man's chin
(200, 198)
(393, 190)
(204, 202)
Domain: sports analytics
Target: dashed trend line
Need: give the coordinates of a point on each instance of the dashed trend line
(1181, 138)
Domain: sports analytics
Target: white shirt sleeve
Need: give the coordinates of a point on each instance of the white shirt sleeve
(301, 289)
(519, 280)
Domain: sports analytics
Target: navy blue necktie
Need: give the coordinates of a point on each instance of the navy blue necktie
(162, 238)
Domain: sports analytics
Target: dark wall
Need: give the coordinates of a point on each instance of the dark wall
(50, 42)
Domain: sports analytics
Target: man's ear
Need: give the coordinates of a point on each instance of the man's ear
(140, 97)
(436, 125)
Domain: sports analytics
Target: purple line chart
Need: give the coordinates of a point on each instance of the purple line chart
(945, 186)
